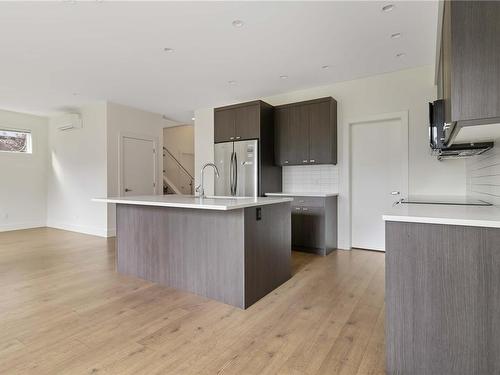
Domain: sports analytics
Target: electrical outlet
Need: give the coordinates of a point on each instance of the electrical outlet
(258, 213)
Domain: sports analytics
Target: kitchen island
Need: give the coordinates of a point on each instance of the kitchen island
(233, 250)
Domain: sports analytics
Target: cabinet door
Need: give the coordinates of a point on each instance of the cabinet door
(299, 134)
(308, 228)
(298, 230)
(446, 61)
(282, 136)
(247, 122)
(320, 134)
(224, 126)
(475, 60)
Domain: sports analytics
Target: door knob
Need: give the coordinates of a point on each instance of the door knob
(127, 190)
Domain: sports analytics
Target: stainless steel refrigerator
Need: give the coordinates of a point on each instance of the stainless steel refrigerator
(238, 166)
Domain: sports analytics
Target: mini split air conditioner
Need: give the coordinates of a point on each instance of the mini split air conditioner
(68, 121)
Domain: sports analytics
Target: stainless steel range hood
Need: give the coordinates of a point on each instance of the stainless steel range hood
(462, 150)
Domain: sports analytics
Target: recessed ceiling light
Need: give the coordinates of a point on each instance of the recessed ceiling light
(232, 82)
(388, 8)
(396, 35)
(237, 23)
(192, 118)
(283, 77)
(402, 54)
(325, 67)
(168, 50)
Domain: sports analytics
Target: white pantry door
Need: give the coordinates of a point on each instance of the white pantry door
(138, 166)
(378, 157)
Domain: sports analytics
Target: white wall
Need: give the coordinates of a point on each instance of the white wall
(204, 147)
(409, 90)
(127, 120)
(77, 173)
(179, 140)
(23, 188)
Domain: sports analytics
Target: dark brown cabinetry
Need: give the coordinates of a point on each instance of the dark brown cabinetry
(306, 132)
(240, 121)
(314, 224)
(251, 120)
(469, 68)
(442, 299)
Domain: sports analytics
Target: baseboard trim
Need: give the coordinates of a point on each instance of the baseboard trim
(20, 226)
(85, 229)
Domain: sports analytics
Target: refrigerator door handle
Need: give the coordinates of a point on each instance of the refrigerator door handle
(231, 173)
(235, 173)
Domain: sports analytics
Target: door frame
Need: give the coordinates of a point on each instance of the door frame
(403, 117)
(121, 173)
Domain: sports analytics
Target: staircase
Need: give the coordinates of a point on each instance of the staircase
(176, 178)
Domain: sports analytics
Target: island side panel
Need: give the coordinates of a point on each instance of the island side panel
(267, 250)
(199, 251)
(442, 299)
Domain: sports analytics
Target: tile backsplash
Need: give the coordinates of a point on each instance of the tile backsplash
(483, 176)
(311, 178)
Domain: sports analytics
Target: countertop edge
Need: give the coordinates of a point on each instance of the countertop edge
(445, 221)
(318, 195)
(190, 205)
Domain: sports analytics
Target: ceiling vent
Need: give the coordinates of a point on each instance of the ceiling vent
(68, 121)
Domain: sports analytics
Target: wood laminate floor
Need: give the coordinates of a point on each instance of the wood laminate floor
(63, 310)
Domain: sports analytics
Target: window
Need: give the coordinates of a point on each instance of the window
(15, 141)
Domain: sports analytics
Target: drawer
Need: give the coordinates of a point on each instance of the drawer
(308, 201)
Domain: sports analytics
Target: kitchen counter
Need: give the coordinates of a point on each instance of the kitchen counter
(475, 216)
(307, 194)
(233, 250)
(190, 201)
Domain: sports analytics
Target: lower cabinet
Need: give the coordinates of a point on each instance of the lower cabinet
(442, 299)
(314, 224)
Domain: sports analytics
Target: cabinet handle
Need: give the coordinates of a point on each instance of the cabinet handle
(305, 209)
(238, 137)
(301, 201)
(312, 161)
(297, 208)
(231, 138)
(286, 161)
(304, 161)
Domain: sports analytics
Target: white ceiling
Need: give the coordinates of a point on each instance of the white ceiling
(64, 54)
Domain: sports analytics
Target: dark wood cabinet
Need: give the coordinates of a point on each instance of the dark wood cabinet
(442, 299)
(247, 122)
(306, 132)
(238, 122)
(223, 125)
(469, 68)
(314, 224)
(298, 135)
(251, 120)
(320, 133)
(282, 145)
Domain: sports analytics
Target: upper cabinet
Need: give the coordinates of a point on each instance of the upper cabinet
(306, 132)
(239, 122)
(469, 64)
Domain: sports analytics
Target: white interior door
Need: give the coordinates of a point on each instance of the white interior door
(138, 166)
(379, 166)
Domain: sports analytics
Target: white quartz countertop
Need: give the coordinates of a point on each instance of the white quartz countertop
(190, 201)
(307, 194)
(476, 216)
